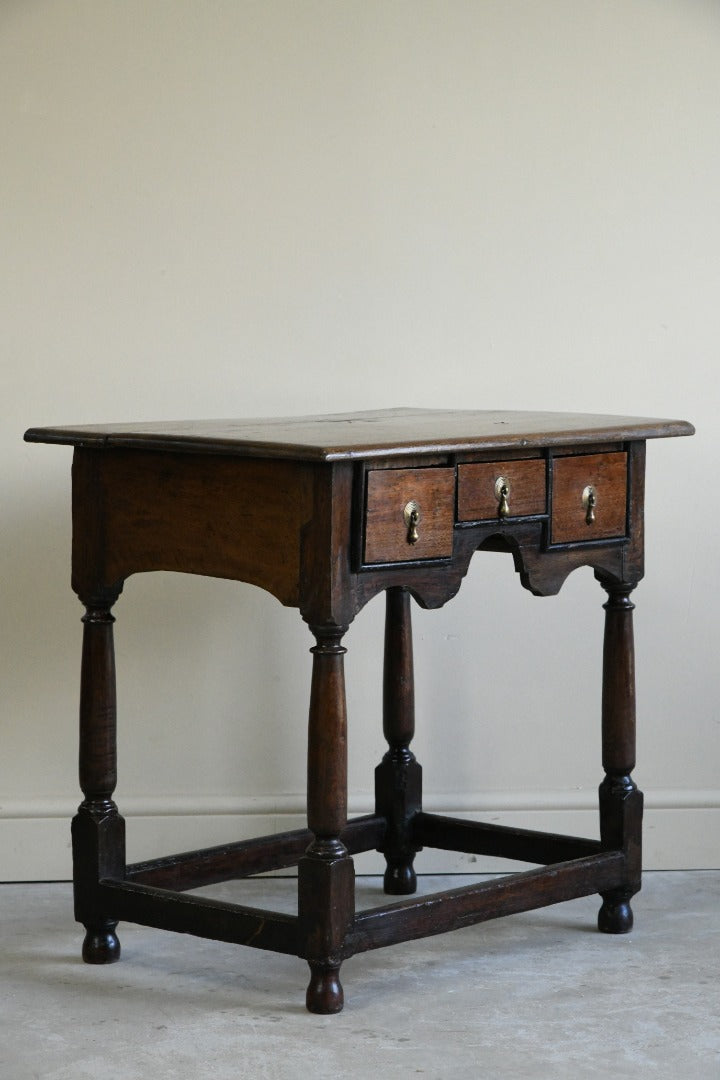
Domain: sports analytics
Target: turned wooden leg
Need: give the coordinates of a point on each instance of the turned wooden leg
(98, 831)
(398, 778)
(621, 803)
(326, 877)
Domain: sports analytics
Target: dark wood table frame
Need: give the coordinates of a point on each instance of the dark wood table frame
(325, 513)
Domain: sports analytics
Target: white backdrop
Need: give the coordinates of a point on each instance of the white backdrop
(233, 208)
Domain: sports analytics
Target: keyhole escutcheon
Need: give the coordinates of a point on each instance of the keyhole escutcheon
(411, 516)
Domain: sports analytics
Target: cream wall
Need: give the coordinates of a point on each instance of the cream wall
(232, 208)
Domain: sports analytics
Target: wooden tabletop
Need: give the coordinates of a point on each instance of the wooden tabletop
(382, 433)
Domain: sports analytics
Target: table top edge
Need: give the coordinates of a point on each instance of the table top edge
(398, 432)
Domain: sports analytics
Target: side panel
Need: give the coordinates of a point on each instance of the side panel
(135, 510)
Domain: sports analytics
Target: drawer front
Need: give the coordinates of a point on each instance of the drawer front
(479, 497)
(589, 497)
(392, 532)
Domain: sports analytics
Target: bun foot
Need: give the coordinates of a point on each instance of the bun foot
(101, 946)
(615, 915)
(324, 992)
(400, 880)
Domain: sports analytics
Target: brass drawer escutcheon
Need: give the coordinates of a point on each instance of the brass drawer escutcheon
(589, 499)
(502, 491)
(411, 516)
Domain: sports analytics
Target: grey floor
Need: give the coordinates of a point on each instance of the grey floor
(535, 995)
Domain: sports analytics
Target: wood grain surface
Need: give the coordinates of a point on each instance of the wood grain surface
(385, 432)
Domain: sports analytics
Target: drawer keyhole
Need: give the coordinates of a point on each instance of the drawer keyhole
(411, 515)
(502, 491)
(589, 499)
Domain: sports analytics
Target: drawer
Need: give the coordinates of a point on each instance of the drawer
(392, 534)
(479, 485)
(577, 480)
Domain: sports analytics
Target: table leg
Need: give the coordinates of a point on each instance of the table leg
(98, 830)
(621, 803)
(398, 778)
(326, 877)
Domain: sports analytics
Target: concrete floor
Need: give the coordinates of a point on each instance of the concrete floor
(535, 995)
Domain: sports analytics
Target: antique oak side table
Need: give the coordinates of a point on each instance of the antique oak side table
(324, 513)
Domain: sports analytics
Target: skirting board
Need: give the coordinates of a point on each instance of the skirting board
(681, 829)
